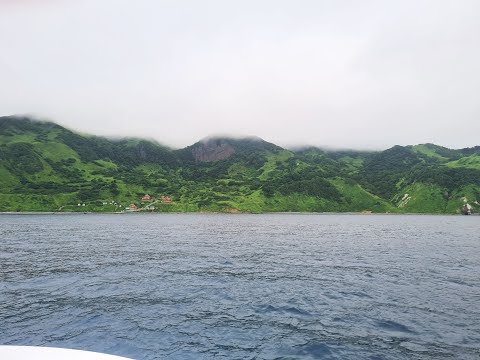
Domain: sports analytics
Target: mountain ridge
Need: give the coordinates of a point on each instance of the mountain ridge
(46, 167)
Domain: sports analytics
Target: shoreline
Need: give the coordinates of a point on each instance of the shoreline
(217, 212)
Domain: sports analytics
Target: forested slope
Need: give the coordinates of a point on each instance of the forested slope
(46, 167)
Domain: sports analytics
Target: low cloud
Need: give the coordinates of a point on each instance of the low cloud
(338, 74)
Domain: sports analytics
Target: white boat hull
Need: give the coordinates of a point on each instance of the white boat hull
(8, 352)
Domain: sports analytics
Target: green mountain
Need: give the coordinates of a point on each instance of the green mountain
(46, 167)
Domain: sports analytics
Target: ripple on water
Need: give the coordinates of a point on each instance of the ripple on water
(246, 286)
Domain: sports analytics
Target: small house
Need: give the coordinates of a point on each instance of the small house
(166, 199)
(147, 197)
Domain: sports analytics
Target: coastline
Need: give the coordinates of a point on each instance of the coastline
(217, 212)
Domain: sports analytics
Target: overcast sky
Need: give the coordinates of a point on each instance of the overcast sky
(342, 74)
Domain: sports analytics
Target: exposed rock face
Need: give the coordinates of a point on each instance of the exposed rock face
(467, 209)
(405, 199)
(213, 150)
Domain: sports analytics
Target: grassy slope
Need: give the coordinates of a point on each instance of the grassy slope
(421, 198)
(429, 151)
(472, 162)
(425, 198)
(358, 199)
(63, 175)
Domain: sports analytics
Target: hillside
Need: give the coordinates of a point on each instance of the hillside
(46, 167)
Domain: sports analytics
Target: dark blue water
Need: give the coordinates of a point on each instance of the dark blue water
(243, 286)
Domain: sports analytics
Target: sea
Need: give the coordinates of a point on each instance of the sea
(243, 286)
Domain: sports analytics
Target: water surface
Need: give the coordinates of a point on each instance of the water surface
(197, 286)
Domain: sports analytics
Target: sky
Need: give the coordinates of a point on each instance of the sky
(337, 74)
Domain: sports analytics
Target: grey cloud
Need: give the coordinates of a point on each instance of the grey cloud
(367, 74)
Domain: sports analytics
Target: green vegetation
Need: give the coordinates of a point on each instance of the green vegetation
(472, 161)
(45, 167)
